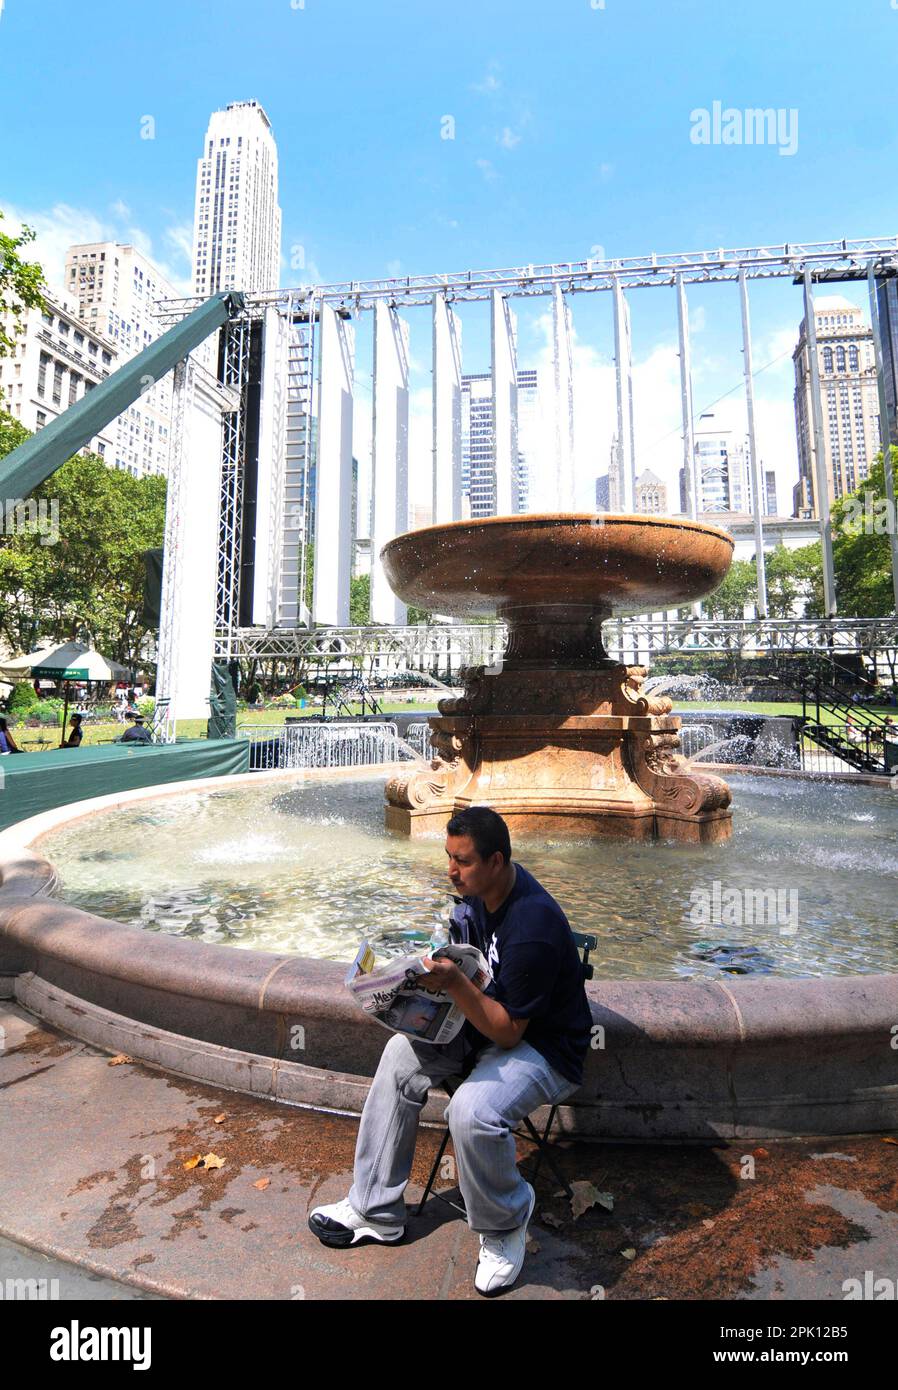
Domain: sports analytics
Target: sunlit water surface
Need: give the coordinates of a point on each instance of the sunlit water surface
(309, 868)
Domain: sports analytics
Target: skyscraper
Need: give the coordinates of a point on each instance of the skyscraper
(848, 401)
(478, 476)
(237, 220)
(117, 289)
(722, 457)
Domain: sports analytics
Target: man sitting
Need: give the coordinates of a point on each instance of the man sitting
(527, 1036)
(137, 732)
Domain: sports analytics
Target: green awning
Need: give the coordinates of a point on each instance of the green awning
(39, 457)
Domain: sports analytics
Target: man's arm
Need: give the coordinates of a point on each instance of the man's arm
(487, 1015)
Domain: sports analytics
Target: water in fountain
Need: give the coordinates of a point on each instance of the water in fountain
(308, 868)
(686, 687)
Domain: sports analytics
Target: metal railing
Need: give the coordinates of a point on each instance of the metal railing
(314, 744)
(417, 736)
(848, 748)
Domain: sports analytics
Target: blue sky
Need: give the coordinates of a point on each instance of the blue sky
(571, 131)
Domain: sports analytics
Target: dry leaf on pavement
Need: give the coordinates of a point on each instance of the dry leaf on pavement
(587, 1195)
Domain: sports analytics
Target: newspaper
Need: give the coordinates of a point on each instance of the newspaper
(394, 996)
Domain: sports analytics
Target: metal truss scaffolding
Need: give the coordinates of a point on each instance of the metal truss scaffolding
(805, 264)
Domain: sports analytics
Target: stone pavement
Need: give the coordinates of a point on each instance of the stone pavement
(92, 1175)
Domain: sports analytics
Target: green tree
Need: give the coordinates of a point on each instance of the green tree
(862, 556)
(738, 588)
(87, 580)
(360, 600)
(20, 284)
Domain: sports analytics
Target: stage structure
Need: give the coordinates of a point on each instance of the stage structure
(286, 364)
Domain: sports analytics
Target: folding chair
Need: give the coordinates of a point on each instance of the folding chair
(585, 943)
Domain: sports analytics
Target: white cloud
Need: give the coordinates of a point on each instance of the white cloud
(605, 172)
(487, 169)
(394, 268)
(508, 139)
(62, 226)
(490, 83)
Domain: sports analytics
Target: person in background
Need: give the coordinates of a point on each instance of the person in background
(7, 742)
(76, 733)
(137, 733)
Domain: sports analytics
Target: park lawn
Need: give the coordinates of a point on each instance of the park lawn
(47, 736)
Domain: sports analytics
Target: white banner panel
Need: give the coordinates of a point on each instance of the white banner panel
(190, 566)
(446, 412)
(505, 401)
(389, 454)
(563, 402)
(624, 363)
(269, 486)
(333, 524)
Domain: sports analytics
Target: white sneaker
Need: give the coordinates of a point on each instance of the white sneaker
(502, 1255)
(340, 1225)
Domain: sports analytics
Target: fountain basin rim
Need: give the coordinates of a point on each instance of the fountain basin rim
(697, 1059)
(593, 519)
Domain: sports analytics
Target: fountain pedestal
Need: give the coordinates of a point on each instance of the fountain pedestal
(557, 737)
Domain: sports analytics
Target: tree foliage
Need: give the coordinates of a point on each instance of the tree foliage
(88, 583)
(20, 284)
(861, 550)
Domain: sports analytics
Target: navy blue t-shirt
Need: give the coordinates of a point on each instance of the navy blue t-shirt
(537, 972)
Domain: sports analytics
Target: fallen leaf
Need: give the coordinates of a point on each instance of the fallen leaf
(118, 1059)
(629, 1253)
(549, 1220)
(533, 1246)
(586, 1195)
(218, 1119)
(212, 1161)
(192, 1162)
(759, 1153)
(890, 1140)
(262, 1184)
(708, 1224)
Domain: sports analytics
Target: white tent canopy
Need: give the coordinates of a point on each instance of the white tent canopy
(65, 661)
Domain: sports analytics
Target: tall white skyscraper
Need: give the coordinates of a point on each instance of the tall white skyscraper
(237, 220)
(722, 454)
(117, 289)
(849, 402)
(478, 476)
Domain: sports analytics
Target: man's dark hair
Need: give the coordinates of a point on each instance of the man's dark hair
(486, 828)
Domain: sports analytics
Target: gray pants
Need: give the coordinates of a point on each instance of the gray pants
(505, 1085)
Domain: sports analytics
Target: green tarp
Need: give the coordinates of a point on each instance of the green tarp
(34, 461)
(35, 782)
(222, 703)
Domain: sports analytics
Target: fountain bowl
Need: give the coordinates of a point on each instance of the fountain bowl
(614, 564)
(557, 737)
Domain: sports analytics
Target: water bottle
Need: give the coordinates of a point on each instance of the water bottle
(440, 936)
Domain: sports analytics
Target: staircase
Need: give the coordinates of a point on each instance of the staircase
(850, 731)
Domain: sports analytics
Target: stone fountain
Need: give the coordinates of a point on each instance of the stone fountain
(558, 737)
